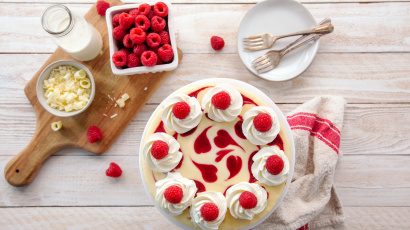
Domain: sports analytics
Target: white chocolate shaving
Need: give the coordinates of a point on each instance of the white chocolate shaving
(55, 126)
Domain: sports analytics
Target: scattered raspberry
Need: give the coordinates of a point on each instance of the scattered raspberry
(127, 42)
(139, 49)
(165, 53)
(119, 58)
(221, 100)
(144, 9)
(274, 165)
(181, 110)
(94, 134)
(262, 122)
(134, 12)
(113, 170)
(126, 20)
(248, 200)
(217, 43)
(209, 211)
(159, 149)
(133, 60)
(141, 21)
(118, 33)
(116, 20)
(102, 7)
(164, 37)
(161, 9)
(153, 40)
(137, 35)
(173, 194)
(158, 24)
(149, 58)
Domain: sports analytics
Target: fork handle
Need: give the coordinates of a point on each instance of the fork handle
(291, 48)
(319, 29)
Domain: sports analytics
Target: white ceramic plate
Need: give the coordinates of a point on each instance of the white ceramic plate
(242, 85)
(278, 17)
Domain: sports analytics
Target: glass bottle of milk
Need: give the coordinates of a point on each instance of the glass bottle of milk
(72, 33)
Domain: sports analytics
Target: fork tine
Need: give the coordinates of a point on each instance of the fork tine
(261, 62)
(269, 68)
(253, 40)
(263, 66)
(254, 48)
(255, 36)
(254, 43)
(261, 58)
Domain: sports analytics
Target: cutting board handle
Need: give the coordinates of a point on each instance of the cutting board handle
(23, 168)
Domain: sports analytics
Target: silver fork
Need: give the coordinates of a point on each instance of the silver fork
(272, 58)
(265, 41)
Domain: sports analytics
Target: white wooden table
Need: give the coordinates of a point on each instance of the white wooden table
(366, 60)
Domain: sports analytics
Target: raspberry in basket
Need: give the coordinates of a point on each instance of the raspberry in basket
(153, 40)
(118, 33)
(119, 58)
(158, 24)
(137, 35)
(141, 21)
(126, 20)
(165, 53)
(149, 58)
(133, 60)
(161, 9)
(144, 9)
(127, 42)
(164, 37)
(139, 49)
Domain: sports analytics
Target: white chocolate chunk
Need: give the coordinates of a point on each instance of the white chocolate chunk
(55, 126)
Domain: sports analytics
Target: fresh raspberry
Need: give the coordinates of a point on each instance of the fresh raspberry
(173, 194)
(127, 42)
(151, 14)
(248, 200)
(209, 211)
(165, 53)
(164, 37)
(217, 43)
(134, 12)
(102, 7)
(158, 24)
(149, 58)
(181, 110)
(137, 35)
(274, 165)
(113, 170)
(133, 60)
(161, 9)
(118, 33)
(159, 149)
(119, 58)
(159, 61)
(126, 20)
(221, 100)
(139, 49)
(116, 20)
(153, 40)
(262, 122)
(144, 9)
(141, 21)
(94, 134)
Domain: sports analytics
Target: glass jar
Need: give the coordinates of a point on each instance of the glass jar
(72, 33)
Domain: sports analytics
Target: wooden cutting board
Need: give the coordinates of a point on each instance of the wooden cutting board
(23, 168)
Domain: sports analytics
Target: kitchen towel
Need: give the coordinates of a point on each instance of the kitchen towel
(311, 201)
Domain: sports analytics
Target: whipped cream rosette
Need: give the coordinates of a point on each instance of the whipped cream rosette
(208, 210)
(222, 103)
(245, 200)
(181, 113)
(174, 193)
(260, 125)
(270, 166)
(162, 152)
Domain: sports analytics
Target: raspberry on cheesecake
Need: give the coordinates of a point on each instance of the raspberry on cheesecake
(159, 149)
(248, 200)
(181, 110)
(221, 100)
(209, 211)
(173, 194)
(262, 122)
(274, 164)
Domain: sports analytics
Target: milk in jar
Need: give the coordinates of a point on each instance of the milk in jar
(72, 33)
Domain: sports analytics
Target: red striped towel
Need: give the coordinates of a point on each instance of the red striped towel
(312, 201)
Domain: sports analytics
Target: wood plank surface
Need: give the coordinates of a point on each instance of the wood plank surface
(81, 181)
(375, 218)
(368, 130)
(357, 26)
